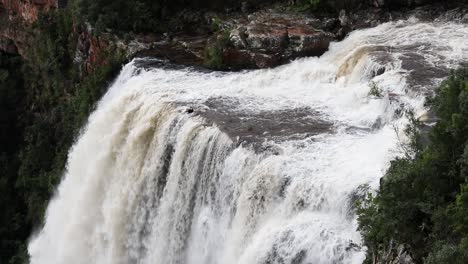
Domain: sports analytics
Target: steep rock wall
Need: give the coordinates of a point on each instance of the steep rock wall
(28, 10)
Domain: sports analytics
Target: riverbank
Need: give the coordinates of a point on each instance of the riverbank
(234, 39)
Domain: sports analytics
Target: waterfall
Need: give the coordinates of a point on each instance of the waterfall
(179, 165)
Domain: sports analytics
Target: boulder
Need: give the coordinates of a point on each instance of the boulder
(261, 36)
(273, 38)
(28, 10)
(307, 42)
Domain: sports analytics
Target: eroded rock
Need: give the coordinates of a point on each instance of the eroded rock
(272, 38)
(28, 10)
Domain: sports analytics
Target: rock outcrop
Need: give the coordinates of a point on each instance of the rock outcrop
(261, 39)
(90, 49)
(16, 35)
(15, 16)
(13, 37)
(267, 39)
(28, 10)
(393, 254)
(271, 37)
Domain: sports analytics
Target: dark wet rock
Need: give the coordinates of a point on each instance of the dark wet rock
(152, 63)
(308, 41)
(256, 127)
(269, 37)
(258, 40)
(299, 257)
(264, 60)
(353, 198)
(273, 38)
(421, 73)
(352, 247)
(261, 36)
(178, 48)
(459, 14)
(378, 72)
(239, 59)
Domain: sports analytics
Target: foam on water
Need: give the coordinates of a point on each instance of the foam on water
(149, 182)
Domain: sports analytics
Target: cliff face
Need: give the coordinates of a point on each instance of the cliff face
(90, 49)
(15, 17)
(27, 10)
(17, 36)
(243, 39)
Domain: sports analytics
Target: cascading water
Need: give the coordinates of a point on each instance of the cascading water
(183, 166)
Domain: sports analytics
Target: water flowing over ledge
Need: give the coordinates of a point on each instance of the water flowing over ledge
(181, 166)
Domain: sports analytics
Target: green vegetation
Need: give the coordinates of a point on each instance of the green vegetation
(135, 15)
(43, 104)
(13, 230)
(213, 57)
(148, 15)
(375, 90)
(124, 16)
(216, 24)
(422, 202)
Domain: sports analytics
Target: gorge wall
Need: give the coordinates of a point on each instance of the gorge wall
(28, 10)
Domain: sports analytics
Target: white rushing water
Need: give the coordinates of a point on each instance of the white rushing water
(150, 182)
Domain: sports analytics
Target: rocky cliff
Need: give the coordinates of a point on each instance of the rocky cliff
(17, 32)
(227, 41)
(28, 10)
(274, 36)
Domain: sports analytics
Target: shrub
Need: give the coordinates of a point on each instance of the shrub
(375, 90)
(214, 52)
(420, 203)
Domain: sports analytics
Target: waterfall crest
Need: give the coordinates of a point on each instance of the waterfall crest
(183, 166)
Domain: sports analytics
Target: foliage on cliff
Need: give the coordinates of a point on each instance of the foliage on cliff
(149, 15)
(44, 102)
(12, 228)
(422, 202)
(163, 15)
